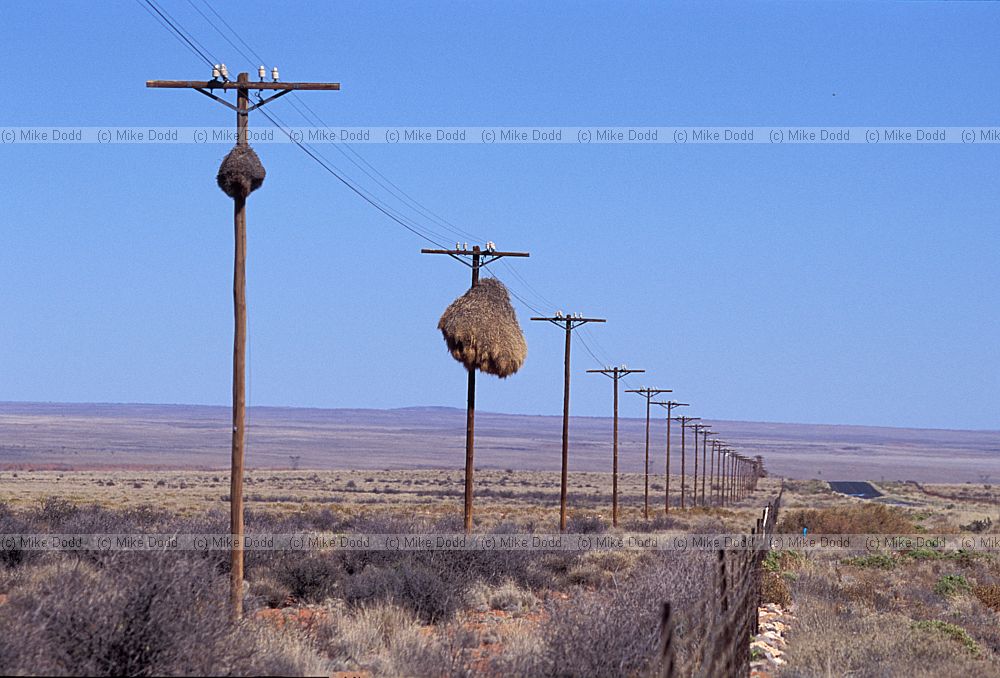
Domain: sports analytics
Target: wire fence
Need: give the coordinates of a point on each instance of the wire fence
(730, 617)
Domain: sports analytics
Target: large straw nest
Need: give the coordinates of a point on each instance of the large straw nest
(241, 172)
(481, 330)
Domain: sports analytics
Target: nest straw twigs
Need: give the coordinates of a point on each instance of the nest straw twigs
(241, 172)
(481, 330)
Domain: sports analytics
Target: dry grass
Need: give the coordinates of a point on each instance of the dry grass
(849, 519)
(913, 613)
(501, 495)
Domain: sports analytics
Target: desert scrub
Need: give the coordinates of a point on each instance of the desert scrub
(614, 631)
(952, 585)
(387, 640)
(988, 595)
(864, 519)
(140, 614)
(961, 556)
(777, 561)
(508, 597)
(774, 589)
(949, 630)
(878, 561)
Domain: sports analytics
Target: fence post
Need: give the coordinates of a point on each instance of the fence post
(668, 658)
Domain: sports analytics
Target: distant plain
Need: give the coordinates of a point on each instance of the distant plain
(126, 436)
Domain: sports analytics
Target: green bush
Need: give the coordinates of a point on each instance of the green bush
(952, 631)
(952, 585)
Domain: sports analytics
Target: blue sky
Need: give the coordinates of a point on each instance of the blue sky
(813, 283)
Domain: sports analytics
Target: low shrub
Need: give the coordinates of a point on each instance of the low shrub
(510, 597)
(585, 523)
(949, 630)
(151, 615)
(977, 526)
(861, 519)
(988, 595)
(614, 631)
(774, 589)
(952, 585)
(878, 561)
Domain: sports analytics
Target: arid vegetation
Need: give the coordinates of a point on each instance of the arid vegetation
(916, 611)
(390, 613)
(906, 612)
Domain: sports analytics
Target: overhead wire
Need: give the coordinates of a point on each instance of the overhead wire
(367, 168)
(174, 26)
(316, 156)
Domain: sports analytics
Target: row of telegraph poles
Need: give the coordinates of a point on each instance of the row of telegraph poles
(735, 477)
(725, 476)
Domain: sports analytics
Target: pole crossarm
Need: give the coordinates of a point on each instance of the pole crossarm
(486, 256)
(649, 393)
(670, 404)
(234, 85)
(216, 98)
(207, 87)
(570, 323)
(615, 372)
(262, 102)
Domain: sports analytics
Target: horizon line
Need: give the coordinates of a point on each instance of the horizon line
(486, 412)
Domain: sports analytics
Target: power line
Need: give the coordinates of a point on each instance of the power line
(378, 177)
(383, 181)
(397, 192)
(191, 41)
(299, 104)
(226, 24)
(347, 183)
(219, 31)
(179, 38)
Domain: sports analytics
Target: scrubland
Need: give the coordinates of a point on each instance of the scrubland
(457, 613)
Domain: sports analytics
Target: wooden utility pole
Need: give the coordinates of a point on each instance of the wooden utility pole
(648, 394)
(734, 477)
(723, 475)
(684, 423)
(242, 108)
(568, 323)
(615, 373)
(727, 460)
(697, 429)
(475, 259)
(713, 484)
(669, 405)
(704, 462)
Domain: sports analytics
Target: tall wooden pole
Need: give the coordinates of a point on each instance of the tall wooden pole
(239, 369)
(568, 323)
(615, 373)
(684, 424)
(242, 86)
(648, 394)
(711, 472)
(704, 463)
(470, 417)
(564, 478)
(614, 464)
(666, 475)
(478, 258)
(694, 482)
(683, 455)
(645, 499)
(669, 406)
